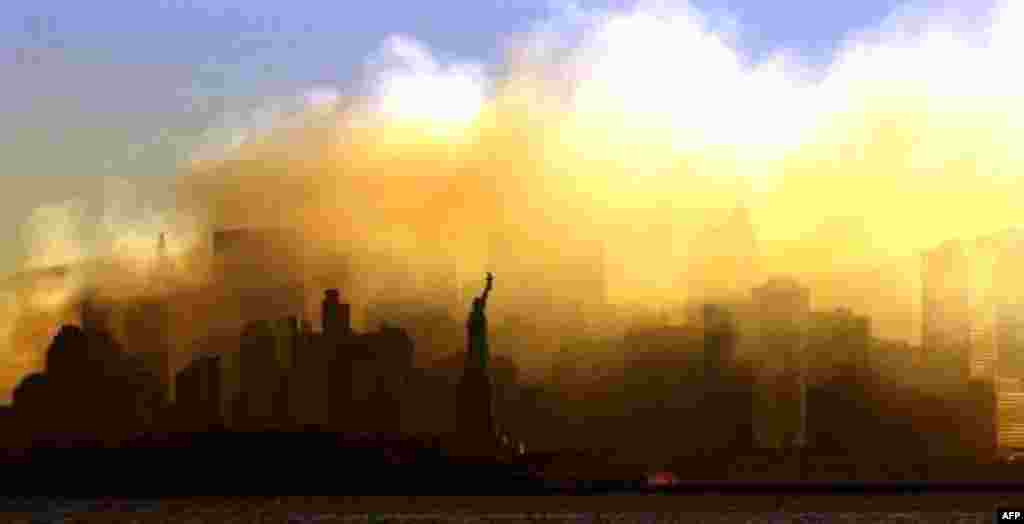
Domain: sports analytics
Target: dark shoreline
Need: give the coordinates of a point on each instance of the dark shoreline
(413, 506)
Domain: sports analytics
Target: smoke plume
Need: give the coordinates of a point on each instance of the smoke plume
(637, 129)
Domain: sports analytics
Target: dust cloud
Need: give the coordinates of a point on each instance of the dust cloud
(606, 145)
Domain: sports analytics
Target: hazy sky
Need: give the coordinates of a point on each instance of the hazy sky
(899, 124)
(150, 66)
(125, 88)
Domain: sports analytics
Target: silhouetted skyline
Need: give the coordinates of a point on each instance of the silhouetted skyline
(618, 242)
(768, 377)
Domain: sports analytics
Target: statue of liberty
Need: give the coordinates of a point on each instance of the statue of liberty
(476, 327)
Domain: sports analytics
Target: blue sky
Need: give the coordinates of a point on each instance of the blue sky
(156, 73)
(143, 64)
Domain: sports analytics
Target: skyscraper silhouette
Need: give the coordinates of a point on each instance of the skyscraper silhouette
(336, 317)
(783, 307)
(946, 335)
(719, 344)
(262, 271)
(1009, 309)
(719, 407)
(147, 334)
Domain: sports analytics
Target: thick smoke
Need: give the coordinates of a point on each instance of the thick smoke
(600, 117)
(74, 252)
(641, 128)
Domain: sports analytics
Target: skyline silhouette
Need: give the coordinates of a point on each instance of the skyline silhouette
(628, 252)
(776, 389)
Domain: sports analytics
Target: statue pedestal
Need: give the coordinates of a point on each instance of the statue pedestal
(474, 416)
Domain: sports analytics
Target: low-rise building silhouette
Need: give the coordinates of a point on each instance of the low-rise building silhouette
(198, 387)
(837, 340)
(261, 375)
(981, 410)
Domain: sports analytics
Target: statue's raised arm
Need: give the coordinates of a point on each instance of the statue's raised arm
(487, 288)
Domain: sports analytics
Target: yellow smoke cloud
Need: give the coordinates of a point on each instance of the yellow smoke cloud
(641, 128)
(602, 116)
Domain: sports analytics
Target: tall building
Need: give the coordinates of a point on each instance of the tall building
(147, 335)
(1010, 432)
(336, 317)
(725, 405)
(262, 270)
(973, 287)
(720, 337)
(946, 334)
(783, 308)
(341, 380)
(1008, 287)
(350, 382)
(315, 387)
(1010, 340)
